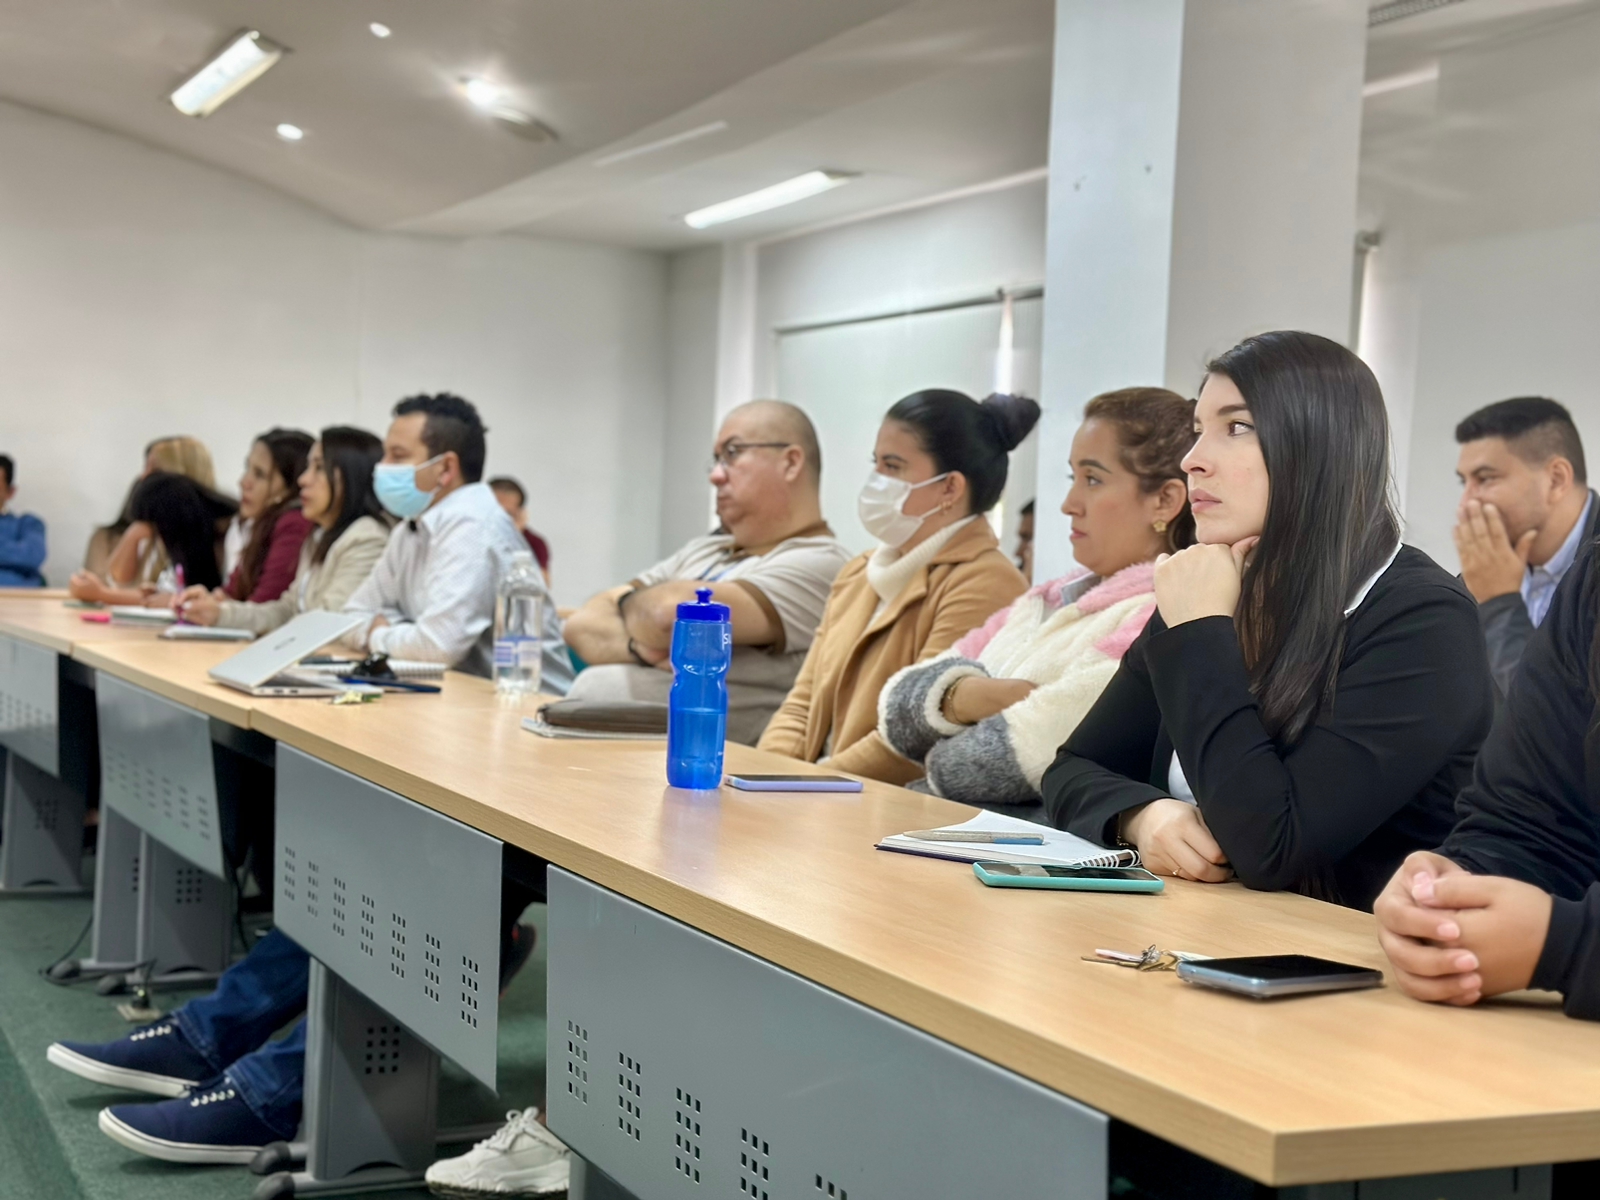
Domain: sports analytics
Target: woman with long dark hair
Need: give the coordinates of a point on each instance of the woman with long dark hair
(351, 530)
(187, 518)
(939, 464)
(1311, 694)
(270, 502)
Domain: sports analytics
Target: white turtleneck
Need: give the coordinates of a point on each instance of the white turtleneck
(888, 570)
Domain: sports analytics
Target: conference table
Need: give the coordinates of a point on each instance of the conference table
(746, 998)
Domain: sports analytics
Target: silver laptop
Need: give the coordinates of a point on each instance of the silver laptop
(260, 668)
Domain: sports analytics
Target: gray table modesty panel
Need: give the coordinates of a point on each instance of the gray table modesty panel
(684, 1067)
(402, 902)
(30, 715)
(156, 770)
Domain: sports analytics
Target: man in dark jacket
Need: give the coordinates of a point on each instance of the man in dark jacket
(1512, 898)
(1525, 510)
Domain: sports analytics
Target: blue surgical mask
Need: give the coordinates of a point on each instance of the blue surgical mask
(395, 485)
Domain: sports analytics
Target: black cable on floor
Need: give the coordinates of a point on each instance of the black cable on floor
(71, 950)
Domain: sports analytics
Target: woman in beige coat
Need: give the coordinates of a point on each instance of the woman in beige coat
(351, 532)
(939, 465)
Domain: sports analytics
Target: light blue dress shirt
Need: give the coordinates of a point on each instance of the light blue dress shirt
(1539, 584)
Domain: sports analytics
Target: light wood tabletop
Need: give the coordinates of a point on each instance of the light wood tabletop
(20, 593)
(1359, 1085)
(50, 622)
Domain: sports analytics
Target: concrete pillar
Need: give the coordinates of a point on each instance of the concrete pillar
(1203, 163)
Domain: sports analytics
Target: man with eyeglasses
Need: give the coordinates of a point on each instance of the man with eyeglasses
(771, 561)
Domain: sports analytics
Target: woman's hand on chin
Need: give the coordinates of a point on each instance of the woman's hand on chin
(1201, 581)
(1172, 839)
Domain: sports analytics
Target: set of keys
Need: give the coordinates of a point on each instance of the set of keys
(1149, 959)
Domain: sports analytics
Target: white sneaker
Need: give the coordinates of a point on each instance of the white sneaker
(523, 1158)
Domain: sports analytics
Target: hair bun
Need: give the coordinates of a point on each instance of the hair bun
(1014, 417)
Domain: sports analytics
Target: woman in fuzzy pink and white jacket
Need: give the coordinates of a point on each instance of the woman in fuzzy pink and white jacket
(986, 717)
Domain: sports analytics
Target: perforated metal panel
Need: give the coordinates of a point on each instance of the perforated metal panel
(30, 715)
(693, 1069)
(401, 902)
(156, 770)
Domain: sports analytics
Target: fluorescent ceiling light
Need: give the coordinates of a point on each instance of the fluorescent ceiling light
(812, 183)
(688, 135)
(290, 133)
(1395, 83)
(379, 29)
(241, 63)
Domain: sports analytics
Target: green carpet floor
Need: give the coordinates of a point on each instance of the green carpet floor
(50, 1146)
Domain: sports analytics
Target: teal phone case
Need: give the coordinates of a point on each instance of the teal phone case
(1067, 885)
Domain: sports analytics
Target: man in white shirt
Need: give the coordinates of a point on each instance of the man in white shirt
(772, 563)
(432, 595)
(1525, 511)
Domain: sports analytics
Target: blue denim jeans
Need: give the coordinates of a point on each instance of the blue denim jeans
(266, 989)
(258, 995)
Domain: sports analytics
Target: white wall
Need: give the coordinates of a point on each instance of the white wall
(1486, 190)
(963, 247)
(145, 295)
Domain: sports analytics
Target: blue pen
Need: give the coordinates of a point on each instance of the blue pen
(976, 836)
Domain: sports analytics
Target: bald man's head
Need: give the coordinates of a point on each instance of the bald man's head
(780, 421)
(767, 472)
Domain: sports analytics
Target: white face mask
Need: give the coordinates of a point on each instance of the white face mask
(882, 499)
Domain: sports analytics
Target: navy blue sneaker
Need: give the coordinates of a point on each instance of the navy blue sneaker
(210, 1125)
(157, 1059)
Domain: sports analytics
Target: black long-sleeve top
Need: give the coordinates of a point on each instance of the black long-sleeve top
(1372, 779)
(1532, 810)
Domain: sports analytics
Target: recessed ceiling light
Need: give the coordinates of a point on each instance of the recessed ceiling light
(799, 188)
(379, 29)
(244, 60)
(480, 93)
(290, 133)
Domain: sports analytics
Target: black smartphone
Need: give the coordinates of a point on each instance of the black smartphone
(1268, 976)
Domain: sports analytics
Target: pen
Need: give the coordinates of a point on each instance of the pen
(1004, 838)
(177, 608)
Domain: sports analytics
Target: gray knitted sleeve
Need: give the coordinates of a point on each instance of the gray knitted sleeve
(908, 707)
(978, 765)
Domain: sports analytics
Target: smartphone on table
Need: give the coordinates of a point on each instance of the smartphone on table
(794, 783)
(1268, 976)
(1072, 879)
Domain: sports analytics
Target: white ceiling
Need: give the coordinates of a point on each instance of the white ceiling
(918, 97)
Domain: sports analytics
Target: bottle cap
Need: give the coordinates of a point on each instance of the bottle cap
(702, 608)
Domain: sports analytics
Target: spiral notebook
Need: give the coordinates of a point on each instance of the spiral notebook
(1060, 849)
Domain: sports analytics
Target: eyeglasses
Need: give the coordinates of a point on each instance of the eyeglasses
(728, 453)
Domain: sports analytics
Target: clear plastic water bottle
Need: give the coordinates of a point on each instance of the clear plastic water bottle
(518, 623)
(697, 708)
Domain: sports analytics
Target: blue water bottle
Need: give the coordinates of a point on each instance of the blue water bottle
(697, 709)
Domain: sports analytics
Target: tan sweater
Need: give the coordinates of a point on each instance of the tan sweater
(325, 585)
(856, 652)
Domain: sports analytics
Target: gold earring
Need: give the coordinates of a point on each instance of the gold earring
(1159, 525)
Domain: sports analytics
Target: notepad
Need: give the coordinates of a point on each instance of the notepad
(205, 633)
(137, 614)
(403, 668)
(1060, 849)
